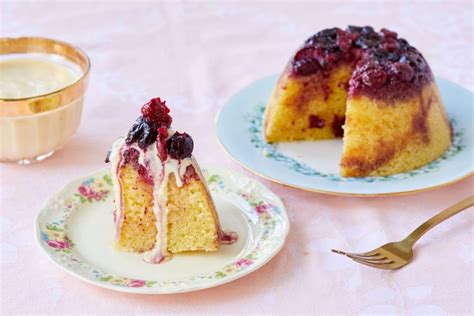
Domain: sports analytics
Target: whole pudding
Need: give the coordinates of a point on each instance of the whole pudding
(373, 89)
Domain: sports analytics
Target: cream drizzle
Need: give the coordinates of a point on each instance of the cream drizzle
(160, 171)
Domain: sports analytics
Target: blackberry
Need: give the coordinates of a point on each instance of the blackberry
(142, 132)
(180, 146)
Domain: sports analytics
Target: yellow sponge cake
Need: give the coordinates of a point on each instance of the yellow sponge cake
(373, 89)
(162, 204)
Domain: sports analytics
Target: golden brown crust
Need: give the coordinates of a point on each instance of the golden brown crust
(413, 133)
(420, 119)
(359, 166)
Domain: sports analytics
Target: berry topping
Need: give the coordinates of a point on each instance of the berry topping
(325, 39)
(386, 66)
(344, 40)
(367, 30)
(305, 66)
(367, 40)
(131, 156)
(180, 146)
(190, 174)
(402, 71)
(354, 29)
(305, 52)
(337, 125)
(156, 111)
(373, 75)
(374, 78)
(386, 33)
(142, 132)
(390, 44)
(161, 142)
(316, 122)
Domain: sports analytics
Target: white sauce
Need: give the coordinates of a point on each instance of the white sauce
(160, 170)
(23, 77)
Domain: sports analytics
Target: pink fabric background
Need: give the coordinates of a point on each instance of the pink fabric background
(196, 56)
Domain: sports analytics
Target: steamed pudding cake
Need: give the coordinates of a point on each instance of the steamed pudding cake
(162, 203)
(373, 89)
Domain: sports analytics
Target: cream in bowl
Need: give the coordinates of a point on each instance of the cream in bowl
(42, 85)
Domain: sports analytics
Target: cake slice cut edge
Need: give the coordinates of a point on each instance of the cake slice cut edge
(162, 203)
(372, 89)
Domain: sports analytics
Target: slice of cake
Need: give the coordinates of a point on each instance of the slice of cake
(373, 89)
(162, 203)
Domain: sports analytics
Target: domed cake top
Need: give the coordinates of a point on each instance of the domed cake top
(381, 59)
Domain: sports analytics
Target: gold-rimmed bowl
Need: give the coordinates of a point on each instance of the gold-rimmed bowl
(33, 127)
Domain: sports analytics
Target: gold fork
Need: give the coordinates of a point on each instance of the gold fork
(395, 255)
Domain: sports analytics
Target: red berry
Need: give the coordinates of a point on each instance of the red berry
(305, 67)
(130, 155)
(180, 146)
(390, 44)
(402, 71)
(374, 77)
(388, 33)
(306, 52)
(156, 111)
(344, 40)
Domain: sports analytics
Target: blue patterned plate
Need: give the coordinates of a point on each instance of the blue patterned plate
(314, 166)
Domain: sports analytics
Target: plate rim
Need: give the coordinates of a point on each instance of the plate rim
(157, 290)
(326, 192)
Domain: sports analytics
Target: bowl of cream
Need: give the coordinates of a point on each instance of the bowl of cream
(42, 87)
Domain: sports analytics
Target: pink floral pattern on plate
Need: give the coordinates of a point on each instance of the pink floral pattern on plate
(272, 221)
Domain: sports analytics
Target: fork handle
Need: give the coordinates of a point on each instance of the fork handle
(435, 220)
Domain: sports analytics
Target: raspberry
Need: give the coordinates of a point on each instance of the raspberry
(180, 146)
(156, 111)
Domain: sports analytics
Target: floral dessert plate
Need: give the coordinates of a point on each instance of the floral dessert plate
(314, 165)
(75, 229)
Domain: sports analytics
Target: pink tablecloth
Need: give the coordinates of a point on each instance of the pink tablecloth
(196, 56)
